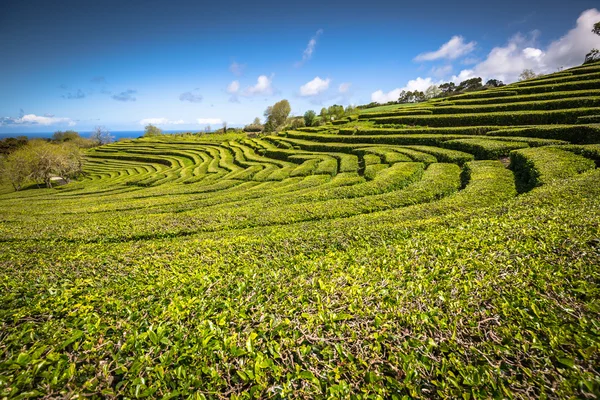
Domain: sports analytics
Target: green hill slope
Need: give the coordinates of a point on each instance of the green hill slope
(441, 250)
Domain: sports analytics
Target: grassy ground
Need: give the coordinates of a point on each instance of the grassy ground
(404, 263)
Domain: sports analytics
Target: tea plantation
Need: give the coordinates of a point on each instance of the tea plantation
(446, 249)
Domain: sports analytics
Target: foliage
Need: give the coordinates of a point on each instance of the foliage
(151, 130)
(592, 56)
(309, 117)
(8, 145)
(357, 260)
(40, 161)
(492, 83)
(276, 115)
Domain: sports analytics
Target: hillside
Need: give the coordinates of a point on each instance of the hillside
(444, 249)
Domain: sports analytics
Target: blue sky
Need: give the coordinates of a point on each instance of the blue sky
(184, 64)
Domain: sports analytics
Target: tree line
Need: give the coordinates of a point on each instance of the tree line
(41, 161)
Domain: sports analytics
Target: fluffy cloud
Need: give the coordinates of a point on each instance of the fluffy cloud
(344, 87)
(160, 121)
(310, 48)
(78, 95)
(209, 121)
(237, 69)
(192, 96)
(263, 86)
(454, 48)
(507, 62)
(32, 119)
(420, 84)
(314, 87)
(125, 96)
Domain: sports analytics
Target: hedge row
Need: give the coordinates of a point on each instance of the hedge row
(462, 130)
(570, 133)
(445, 155)
(591, 151)
(554, 104)
(500, 118)
(589, 119)
(416, 111)
(523, 98)
(484, 149)
(537, 166)
(559, 79)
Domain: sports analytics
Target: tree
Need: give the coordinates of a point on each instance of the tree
(151, 130)
(469, 85)
(11, 144)
(592, 56)
(447, 88)
(60, 136)
(101, 135)
(494, 83)
(432, 91)
(224, 127)
(40, 161)
(324, 116)
(16, 168)
(277, 115)
(596, 28)
(527, 74)
(350, 109)
(335, 111)
(309, 117)
(297, 122)
(255, 126)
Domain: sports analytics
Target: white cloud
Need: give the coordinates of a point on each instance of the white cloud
(263, 87)
(344, 87)
(310, 48)
(314, 87)
(160, 121)
(507, 62)
(32, 119)
(233, 87)
(451, 50)
(237, 69)
(463, 76)
(420, 84)
(209, 121)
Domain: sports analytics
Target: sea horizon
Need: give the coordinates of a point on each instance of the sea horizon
(86, 134)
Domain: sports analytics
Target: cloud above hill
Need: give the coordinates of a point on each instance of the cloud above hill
(508, 61)
(454, 48)
(314, 87)
(420, 84)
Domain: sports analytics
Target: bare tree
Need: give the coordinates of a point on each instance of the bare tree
(527, 74)
(101, 135)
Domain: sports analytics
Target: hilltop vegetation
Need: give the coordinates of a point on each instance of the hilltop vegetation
(445, 249)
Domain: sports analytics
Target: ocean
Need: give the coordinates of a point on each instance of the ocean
(86, 134)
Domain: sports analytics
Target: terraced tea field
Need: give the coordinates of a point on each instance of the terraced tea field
(447, 249)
